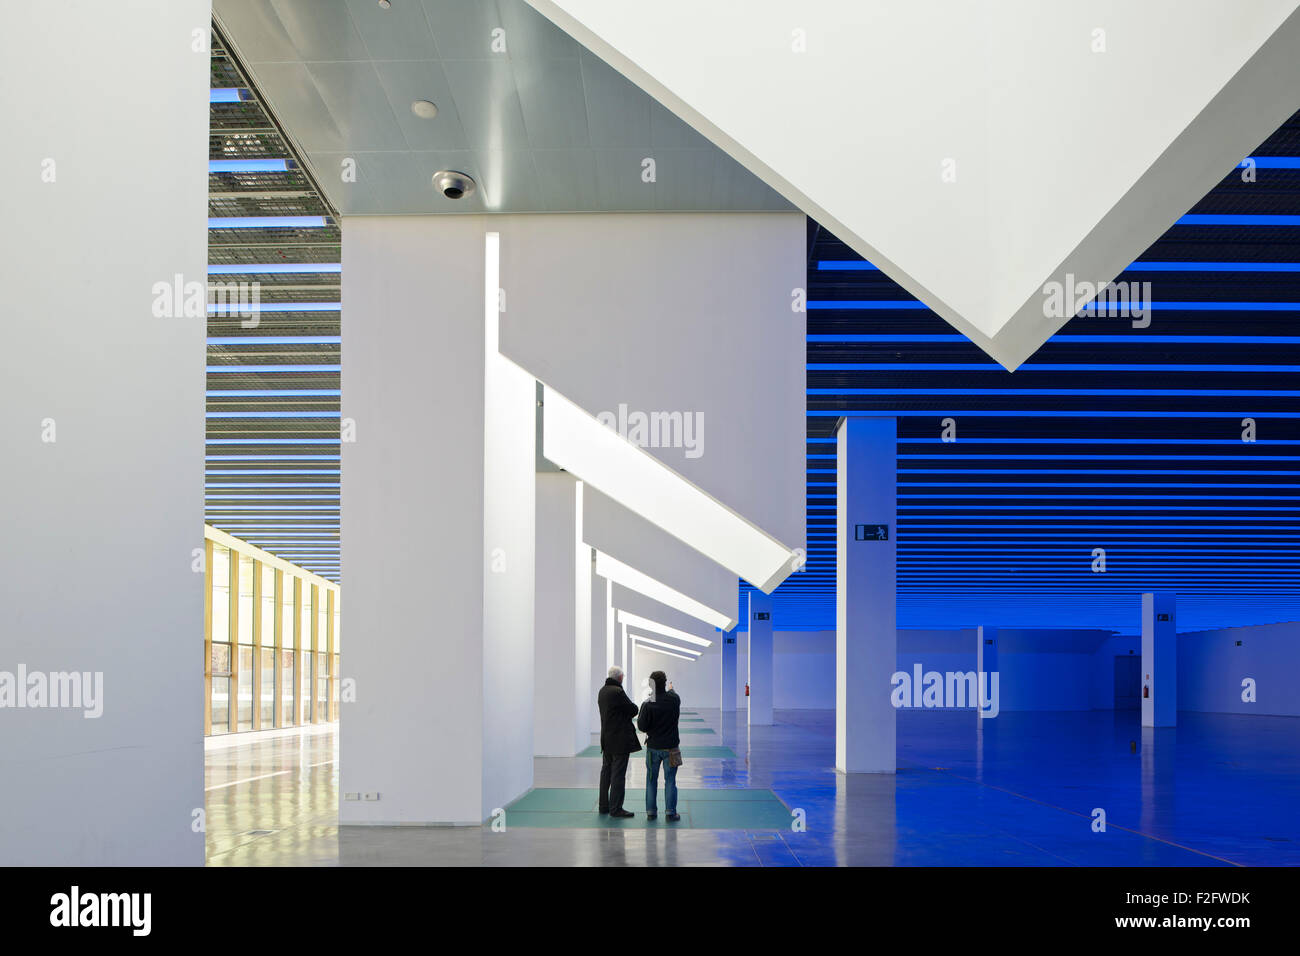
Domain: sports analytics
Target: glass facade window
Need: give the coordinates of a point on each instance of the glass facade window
(245, 599)
(305, 618)
(247, 665)
(304, 687)
(268, 606)
(266, 705)
(220, 701)
(322, 685)
(338, 679)
(286, 688)
(245, 684)
(220, 593)
(286, 612)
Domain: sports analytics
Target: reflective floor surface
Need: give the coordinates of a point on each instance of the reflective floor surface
(1022, 789)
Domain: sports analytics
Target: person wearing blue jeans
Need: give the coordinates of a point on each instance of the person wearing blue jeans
(658, 721)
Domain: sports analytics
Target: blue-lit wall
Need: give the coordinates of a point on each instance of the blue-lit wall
(1048, 670)
(1211, 668)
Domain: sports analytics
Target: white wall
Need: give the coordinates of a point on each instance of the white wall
(675, 312)
(696, 682)
(1040, 670)
(1211, 668)
(100, 524)
(623, 534)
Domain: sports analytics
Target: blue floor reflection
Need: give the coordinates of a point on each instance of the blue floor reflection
(1023, 789)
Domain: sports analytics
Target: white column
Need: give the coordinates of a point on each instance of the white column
(728, 651)
(438, 557)
(563, 623)
(989, 687)
(101, 419)
(597, 661)
(1159, 660)
(622, 657)
(760, 659)
(866, 634)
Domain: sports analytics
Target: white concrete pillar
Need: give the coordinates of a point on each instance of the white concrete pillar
(101, 419)
(761, 664)
(1159, 660)
(597, 662)
(988, 687)
(866, 629)
(727, 640)
(438, 557)
(562, 611)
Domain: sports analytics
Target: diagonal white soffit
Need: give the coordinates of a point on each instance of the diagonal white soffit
(1068, 160)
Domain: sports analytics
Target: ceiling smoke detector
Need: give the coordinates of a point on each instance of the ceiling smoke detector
(424, 109)
(452, 184)
(385, 4)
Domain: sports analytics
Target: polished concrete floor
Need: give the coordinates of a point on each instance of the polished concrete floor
(1022, 789)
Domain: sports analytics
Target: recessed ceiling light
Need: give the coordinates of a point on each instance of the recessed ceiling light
(424, 109)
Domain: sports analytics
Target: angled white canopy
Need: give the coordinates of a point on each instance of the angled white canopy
(974, 150)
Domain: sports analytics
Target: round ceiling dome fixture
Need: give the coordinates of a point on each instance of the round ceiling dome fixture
(385, 4)
(453, 184)
(424, 109)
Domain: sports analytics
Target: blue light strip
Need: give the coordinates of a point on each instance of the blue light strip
(1135, 338)
(275, 268)
(262, 392)
(262, 369)
(275, 340)
(994, 367)
(272, 441)
(248, 165)
(243, 485)
(275, 414)
(976, 413)
(228, 94)
(228, 497)
(1232, 219)
(869, 305)
(853, 265)
(272, 471)
(267, 222)
(272, 458)
(223, 308)
(1154, 392)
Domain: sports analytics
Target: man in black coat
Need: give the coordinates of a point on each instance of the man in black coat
(617, 740)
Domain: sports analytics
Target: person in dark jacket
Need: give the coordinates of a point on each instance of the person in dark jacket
(658, 721)
(617, 740)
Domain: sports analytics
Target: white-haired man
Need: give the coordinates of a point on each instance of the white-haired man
(618, 740)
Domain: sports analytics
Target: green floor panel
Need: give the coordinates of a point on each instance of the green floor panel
(740, 815)
(556, 799)
(574, 808)
(708, 750)
(700, 752)
(733, 795)
(694, 730)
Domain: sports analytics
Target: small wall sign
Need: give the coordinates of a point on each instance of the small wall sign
(871, 532)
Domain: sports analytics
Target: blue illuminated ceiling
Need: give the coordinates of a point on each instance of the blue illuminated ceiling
(1111, 436)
